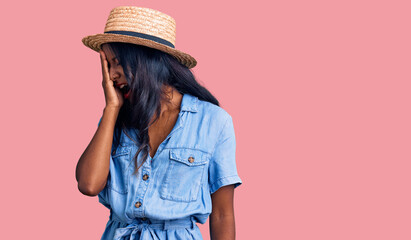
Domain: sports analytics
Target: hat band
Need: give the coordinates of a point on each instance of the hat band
(143, 35)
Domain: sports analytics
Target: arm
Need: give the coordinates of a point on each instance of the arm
(222, 225)
(93, 166)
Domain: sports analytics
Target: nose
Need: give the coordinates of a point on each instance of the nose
(114, 75)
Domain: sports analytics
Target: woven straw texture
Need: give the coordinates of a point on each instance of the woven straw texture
(140, 20)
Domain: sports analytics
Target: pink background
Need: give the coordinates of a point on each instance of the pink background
(319, 92)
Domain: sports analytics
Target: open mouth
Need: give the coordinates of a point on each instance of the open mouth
(125, 89)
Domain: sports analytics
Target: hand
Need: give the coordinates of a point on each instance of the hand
(113, 95)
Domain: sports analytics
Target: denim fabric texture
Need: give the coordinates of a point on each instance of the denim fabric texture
(194, 161)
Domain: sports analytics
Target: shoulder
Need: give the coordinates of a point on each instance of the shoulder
(216, 113)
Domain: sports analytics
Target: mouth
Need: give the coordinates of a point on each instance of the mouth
(125, 89)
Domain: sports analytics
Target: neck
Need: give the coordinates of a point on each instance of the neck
(172, 102)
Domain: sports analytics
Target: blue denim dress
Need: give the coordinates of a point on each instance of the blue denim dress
(172, 191)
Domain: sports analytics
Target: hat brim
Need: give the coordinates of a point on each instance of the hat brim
(95, 41)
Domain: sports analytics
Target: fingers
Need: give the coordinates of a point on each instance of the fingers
(102, 57)
(104, 65)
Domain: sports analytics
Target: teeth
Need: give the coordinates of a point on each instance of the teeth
(122, 86)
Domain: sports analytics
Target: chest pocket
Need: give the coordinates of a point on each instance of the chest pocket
(184, 174)
(120, 169)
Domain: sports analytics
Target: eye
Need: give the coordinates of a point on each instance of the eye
(115, 64)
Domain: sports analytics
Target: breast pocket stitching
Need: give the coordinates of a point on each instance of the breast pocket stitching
(120, 170)
(184, 174)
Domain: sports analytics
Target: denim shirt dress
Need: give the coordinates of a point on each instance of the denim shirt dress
(172, 191)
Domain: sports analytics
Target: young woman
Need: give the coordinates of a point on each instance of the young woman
(163, 155)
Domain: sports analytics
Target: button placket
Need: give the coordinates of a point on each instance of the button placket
(142, 189)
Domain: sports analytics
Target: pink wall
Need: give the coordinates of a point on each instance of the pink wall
(319, 92)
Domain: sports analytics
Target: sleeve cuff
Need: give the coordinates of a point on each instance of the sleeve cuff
(102, 199)
(224, 182)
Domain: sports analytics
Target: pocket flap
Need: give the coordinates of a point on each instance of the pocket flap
(120, 151)
(190, 157)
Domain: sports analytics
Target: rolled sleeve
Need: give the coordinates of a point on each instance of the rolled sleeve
(103, 197)
(223, 168)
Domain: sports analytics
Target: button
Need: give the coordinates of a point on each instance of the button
(138, 204)
(144, 218)
(191, 159)
(114, 152)
(145, 177)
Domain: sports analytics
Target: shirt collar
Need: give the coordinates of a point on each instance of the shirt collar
(189, 103)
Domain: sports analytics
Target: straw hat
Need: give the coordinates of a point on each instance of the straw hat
(141, 26)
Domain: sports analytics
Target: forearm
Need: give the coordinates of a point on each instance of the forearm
(222, 227)
(93, 166)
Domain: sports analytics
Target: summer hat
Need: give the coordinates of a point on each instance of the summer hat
(141, 26)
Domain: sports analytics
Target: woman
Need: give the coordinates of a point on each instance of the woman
(163, 156)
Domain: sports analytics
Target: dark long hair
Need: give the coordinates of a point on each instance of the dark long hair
(147, 70)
